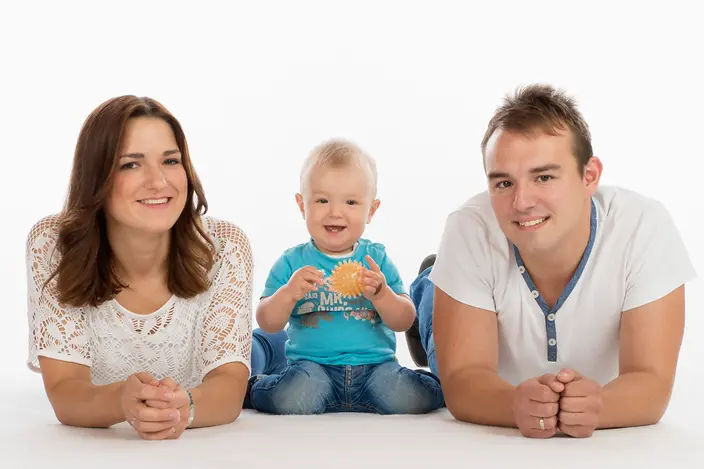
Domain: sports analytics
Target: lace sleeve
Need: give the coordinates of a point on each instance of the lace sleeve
(226, 334)
(55, 330)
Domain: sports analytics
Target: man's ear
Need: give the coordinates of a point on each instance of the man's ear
(592, 174)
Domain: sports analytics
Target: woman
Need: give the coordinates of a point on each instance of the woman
(139, 305)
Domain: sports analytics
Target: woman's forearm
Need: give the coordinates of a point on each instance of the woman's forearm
(82, 404)
(218, 399)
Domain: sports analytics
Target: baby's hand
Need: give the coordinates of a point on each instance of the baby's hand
(302, 281)
(373, 281)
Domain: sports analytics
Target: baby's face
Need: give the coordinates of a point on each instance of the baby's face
(337, 204)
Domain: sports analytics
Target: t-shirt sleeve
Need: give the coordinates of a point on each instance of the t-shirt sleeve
(56, 331)
(226, 334)
(279, 275)
(463, 266)
(658, 262)
(393, 279)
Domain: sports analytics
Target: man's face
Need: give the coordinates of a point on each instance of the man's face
(537, 190)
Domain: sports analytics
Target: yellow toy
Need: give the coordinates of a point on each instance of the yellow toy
(346, 280)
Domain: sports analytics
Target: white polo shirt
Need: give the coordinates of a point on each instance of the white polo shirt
(635, 256)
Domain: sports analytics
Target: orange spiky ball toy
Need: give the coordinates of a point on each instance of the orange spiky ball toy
(346, 280)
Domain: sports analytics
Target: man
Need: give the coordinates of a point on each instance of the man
(553, 304)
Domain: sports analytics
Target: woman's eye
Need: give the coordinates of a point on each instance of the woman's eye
(130, 165)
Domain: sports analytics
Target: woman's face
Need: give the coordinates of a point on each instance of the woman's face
(150, 186)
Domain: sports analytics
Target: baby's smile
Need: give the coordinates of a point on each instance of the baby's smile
(334, 228)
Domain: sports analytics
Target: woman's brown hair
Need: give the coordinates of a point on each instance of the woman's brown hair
(86, 274)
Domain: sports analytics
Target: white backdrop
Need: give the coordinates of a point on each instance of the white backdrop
(256, 86)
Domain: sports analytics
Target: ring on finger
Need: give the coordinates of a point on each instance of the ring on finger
(542, 423)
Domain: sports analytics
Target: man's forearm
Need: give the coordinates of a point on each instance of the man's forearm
(82, 404)
(634, 399)
(480, 397)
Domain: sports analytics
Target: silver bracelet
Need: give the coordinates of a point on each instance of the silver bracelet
(192, 409)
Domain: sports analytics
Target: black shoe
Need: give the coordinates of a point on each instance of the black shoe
(415, 345)
(427, 262)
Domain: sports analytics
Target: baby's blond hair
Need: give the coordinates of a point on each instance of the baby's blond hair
(338, 153)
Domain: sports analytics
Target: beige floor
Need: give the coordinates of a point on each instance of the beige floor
(30, 437)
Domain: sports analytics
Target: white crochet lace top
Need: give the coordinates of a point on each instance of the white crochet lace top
(184, 339)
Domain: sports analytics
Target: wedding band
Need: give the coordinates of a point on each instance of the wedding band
(542, 423)
(134, 419)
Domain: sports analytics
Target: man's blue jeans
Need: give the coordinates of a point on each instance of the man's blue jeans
(421, 292)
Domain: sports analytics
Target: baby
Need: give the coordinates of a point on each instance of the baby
(343, 300)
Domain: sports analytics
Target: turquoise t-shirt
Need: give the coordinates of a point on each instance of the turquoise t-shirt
(326, 327)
